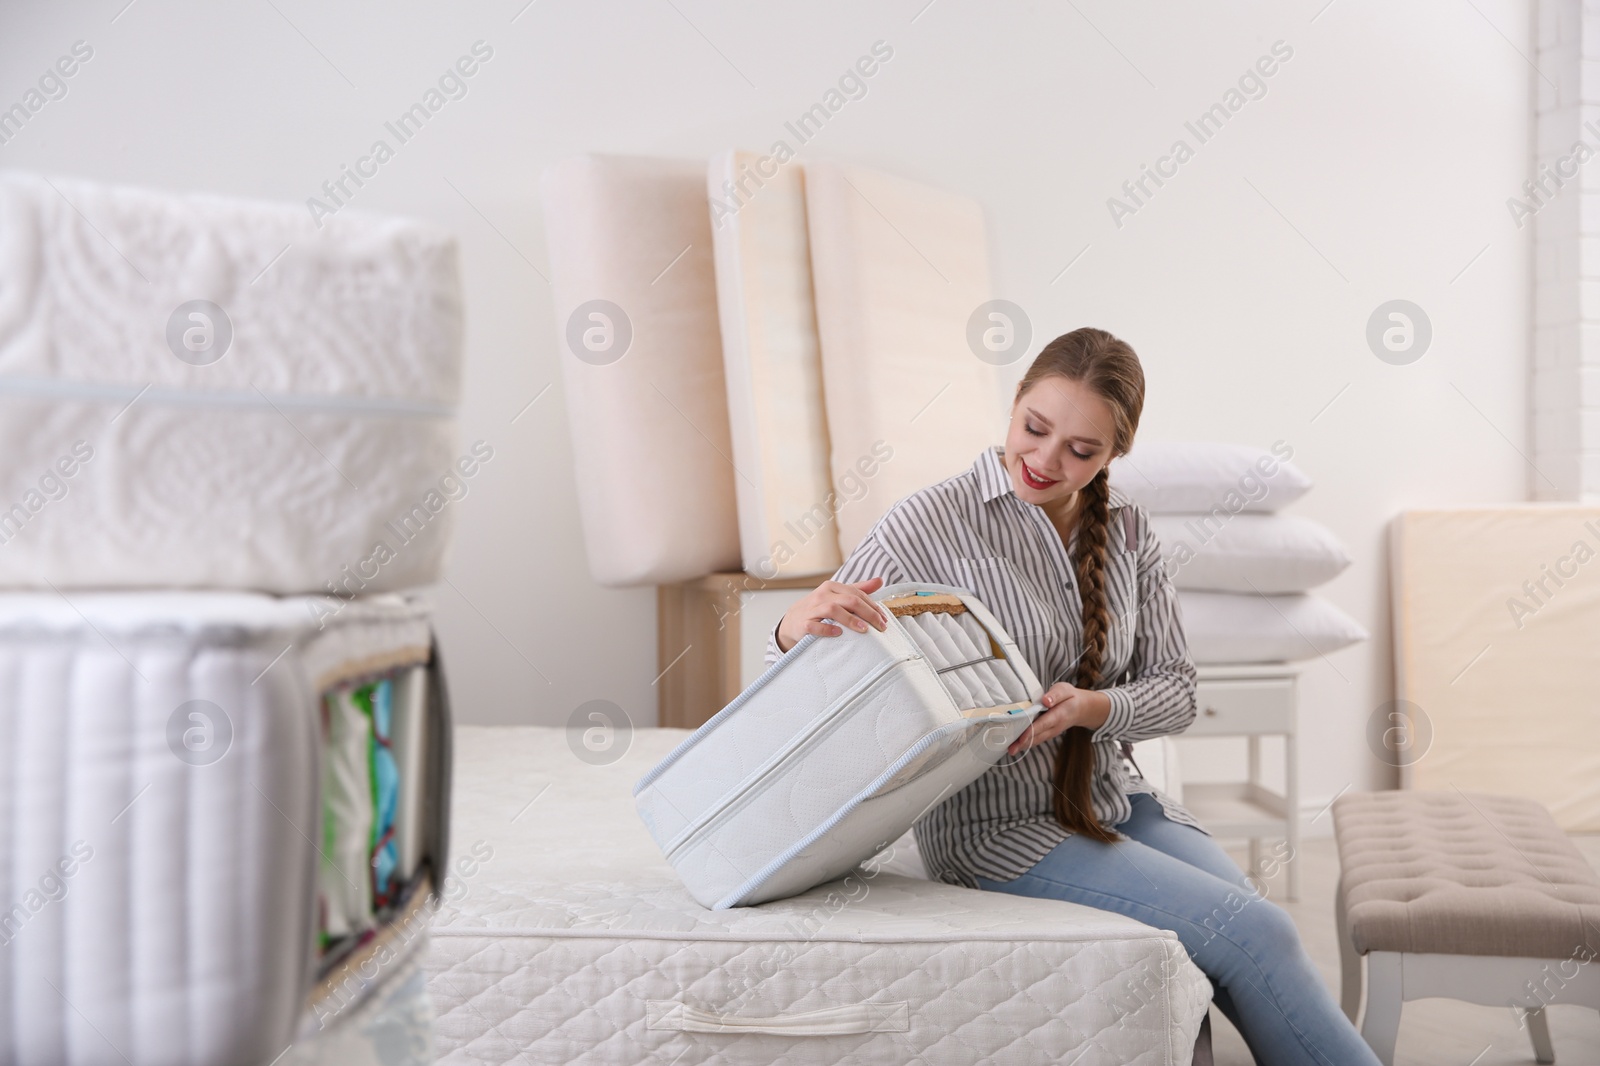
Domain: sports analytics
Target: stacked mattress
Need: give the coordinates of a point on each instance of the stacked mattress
(228, 440)
(571, 939)
(771, 356)
(1242, 569)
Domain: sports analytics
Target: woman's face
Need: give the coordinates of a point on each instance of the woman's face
(1061, 431)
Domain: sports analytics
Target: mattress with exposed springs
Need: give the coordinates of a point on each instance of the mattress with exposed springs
(838, 747)
(177, 887)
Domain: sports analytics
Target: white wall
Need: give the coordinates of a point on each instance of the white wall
(1375, 167)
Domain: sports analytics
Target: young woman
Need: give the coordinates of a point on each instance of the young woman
(1036, 531)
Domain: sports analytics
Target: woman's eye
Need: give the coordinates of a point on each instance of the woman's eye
(1038, 433)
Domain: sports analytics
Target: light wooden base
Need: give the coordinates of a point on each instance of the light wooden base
(697, 643)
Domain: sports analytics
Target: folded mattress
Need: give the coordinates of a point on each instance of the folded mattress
(164, 845)
(571, 939)
(772, 363)
(249, 398)
(635, 297)
(1495, 615)
(901, 274)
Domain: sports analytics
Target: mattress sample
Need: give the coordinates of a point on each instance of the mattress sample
(773, 367)
(1495, 615)
(899, 269)
(161, 757)
(574, 941)
(249, 398)
(1232, 627)
(839, 747)
(635, 296)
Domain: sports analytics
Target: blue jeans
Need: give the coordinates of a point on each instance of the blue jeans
(1173, 876)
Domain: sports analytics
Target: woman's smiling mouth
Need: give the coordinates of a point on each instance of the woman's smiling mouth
(1034, 480)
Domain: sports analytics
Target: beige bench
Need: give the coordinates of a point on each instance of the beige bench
(1464, 895)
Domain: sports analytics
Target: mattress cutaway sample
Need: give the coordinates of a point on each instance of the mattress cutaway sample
(573, 940)
(773, 367)
(243, 397)
(635, 298)
(1496, 612)
(838, 747)
(161, 817)
(898, 269)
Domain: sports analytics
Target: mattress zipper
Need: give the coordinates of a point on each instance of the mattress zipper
(256, 400)
(798, 741)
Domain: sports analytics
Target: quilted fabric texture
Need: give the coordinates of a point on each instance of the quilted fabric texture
(278, 465)
(1463, 873)
(564, 932)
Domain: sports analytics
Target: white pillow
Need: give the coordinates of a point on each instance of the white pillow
(1247, 552)
(1226, 627)
(1166, 477)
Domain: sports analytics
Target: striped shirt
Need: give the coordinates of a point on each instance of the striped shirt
(972, 531)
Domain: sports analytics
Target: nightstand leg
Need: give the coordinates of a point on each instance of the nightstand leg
(1291, 811)
(1253, 776)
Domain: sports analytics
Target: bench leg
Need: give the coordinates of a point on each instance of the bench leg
(1381, 1025)
(1349, 961)
(1544, 1051)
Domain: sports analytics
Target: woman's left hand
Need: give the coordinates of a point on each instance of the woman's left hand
(1068, 706)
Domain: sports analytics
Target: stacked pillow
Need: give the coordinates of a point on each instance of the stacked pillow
(1243, 571)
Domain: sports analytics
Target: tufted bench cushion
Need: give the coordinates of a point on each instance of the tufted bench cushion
(1463, 873)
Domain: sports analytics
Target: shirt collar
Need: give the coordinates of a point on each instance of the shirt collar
(994, 480)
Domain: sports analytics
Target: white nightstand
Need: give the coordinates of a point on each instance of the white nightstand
(1250, 700)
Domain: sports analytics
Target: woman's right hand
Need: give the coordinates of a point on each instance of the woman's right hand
(847, 604)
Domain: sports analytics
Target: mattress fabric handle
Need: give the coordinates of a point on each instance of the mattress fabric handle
(854, 1018)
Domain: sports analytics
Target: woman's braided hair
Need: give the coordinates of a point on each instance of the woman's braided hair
(1109, 367)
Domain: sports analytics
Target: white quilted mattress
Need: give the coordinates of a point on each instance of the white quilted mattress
(566, 937)
(273, 441)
